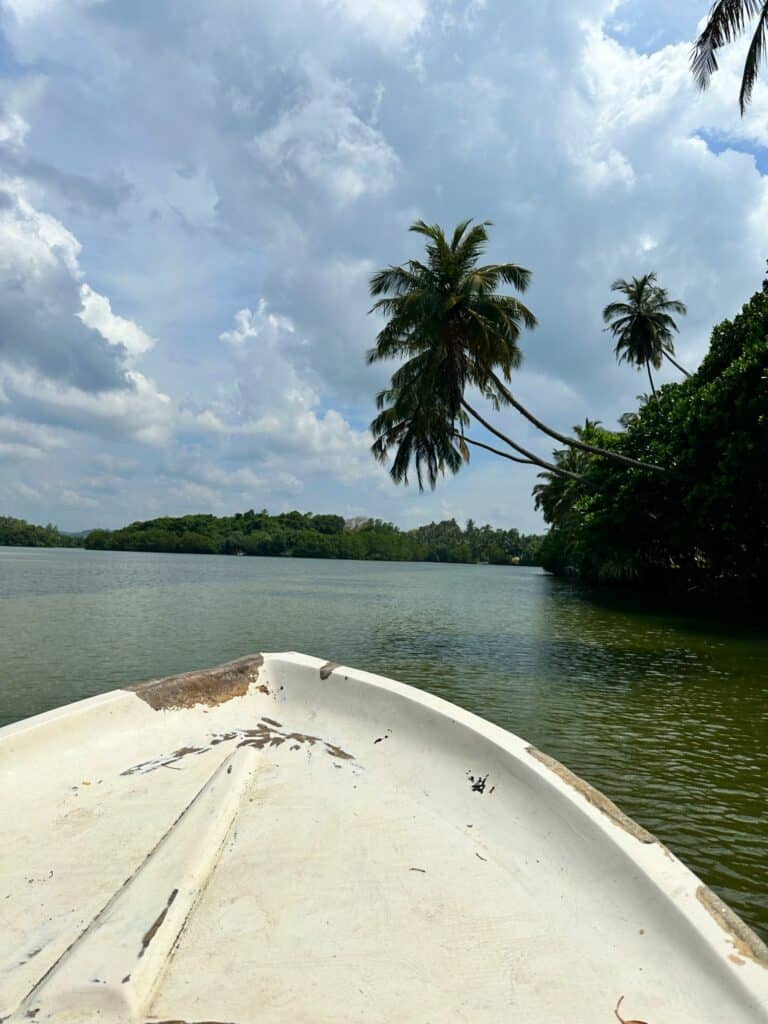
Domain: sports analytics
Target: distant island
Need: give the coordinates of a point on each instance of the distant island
(293, 535)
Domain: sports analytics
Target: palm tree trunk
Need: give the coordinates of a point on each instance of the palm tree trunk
(675, 363)
(530, 457)
(565, 439)
(498, 451)
(650, 378)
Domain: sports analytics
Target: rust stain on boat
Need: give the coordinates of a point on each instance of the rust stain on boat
(211, 686)
(741, 936)
(594, 797)
(327, 668)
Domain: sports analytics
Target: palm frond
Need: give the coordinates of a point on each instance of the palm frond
(511, 273)
(728, 19)
(753, 60)
(458, 233)
(616, 309)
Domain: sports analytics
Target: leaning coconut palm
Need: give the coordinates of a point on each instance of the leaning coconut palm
(448, 321)
(417, 419)
(729, 19)
(643, 325)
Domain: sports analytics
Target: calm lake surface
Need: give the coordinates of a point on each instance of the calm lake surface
(667, 715)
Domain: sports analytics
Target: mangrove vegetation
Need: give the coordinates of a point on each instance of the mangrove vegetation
(292, 535)
(701, 527)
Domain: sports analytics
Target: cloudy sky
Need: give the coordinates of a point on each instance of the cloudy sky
(193, 194)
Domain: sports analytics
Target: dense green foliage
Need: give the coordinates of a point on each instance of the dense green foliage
(702, 526)
(19, 533)
(299, 535)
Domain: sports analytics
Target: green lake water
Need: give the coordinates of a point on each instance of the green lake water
(668, 715)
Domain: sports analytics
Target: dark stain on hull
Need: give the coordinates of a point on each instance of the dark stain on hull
(335, 751)
(211, 686)
(266, 734)
(166, 762)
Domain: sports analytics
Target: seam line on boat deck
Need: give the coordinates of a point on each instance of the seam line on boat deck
(93, 924)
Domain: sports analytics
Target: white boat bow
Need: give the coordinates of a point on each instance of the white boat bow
(286, 840)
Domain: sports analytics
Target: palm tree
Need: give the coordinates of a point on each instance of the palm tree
(448, 321)
(643, 325)
(729, 19)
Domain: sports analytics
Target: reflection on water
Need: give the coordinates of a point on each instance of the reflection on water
(668, 715)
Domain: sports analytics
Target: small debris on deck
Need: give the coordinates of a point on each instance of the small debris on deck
(478, 782)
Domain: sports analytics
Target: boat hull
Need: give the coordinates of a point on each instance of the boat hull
(283, 839)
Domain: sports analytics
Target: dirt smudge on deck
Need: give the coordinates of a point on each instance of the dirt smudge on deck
(265, 734)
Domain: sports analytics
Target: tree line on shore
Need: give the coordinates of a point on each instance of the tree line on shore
(19, 533)
(297, 535)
